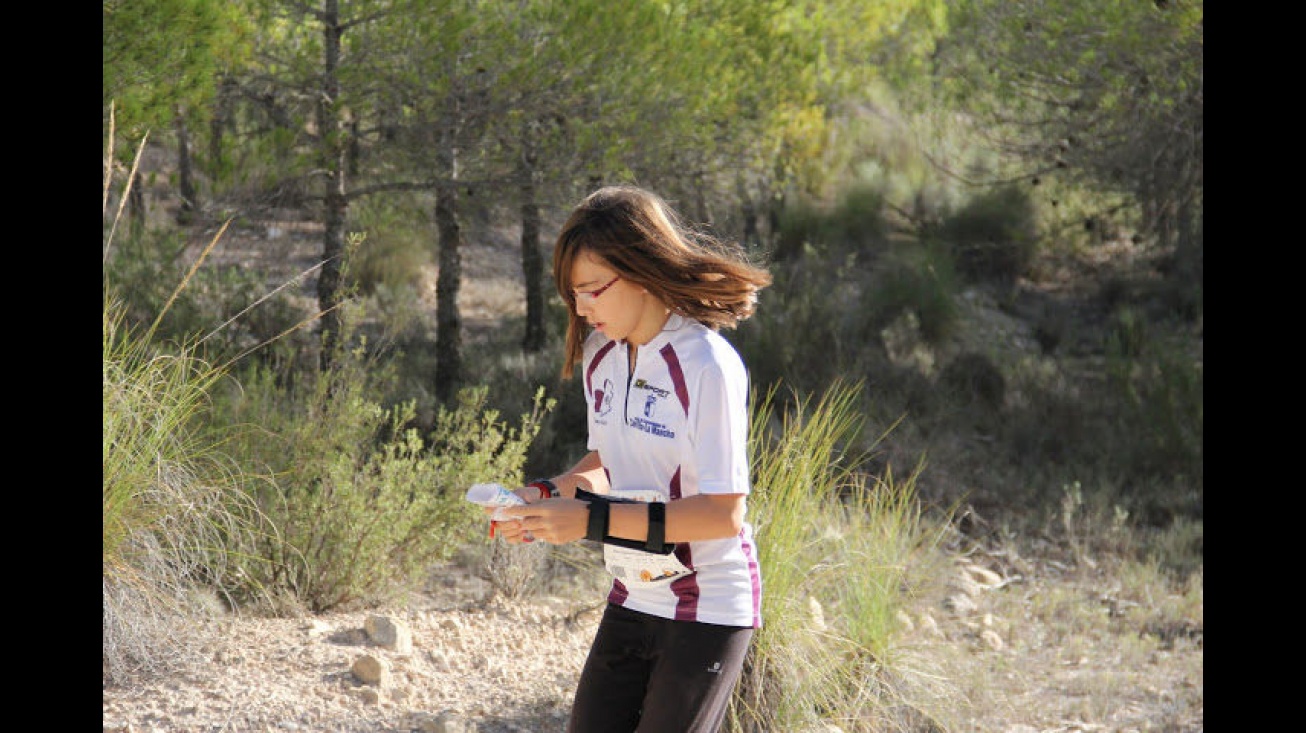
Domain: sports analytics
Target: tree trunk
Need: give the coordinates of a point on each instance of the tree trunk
(448, 322)
(136, 205)
(336, 203)
(218, 125)
(532, 260)
(185, 174)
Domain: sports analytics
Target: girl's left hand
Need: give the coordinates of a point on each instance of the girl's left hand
(556, 521)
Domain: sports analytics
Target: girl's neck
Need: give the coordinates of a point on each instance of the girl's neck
(650, 324)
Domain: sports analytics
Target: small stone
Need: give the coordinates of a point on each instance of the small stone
(369, 670)
(389, 633)
(369, 696)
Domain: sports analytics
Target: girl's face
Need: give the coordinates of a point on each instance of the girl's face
(618, 308)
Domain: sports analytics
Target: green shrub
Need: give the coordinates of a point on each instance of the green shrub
(1159, 395)
(364, 503)
(176, 514)
(216, 304)
(797, 227)
(397, 247)
(855, 225)
(804, 330)
(973, 379)
(994, 236)
(144, 269)
(917, 279)
(1126, 333)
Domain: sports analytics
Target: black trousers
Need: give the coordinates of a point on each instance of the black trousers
(646, 674)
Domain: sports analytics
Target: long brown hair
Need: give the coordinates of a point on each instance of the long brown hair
(636, 233)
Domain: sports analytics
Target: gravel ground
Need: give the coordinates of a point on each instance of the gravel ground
(1013, 644)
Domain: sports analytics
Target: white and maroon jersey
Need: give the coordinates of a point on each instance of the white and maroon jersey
(679, 426)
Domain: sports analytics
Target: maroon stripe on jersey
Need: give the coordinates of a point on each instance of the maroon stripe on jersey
(686, 588)
(754, 579)
(594, 364)
(677, 376)
(618, 593)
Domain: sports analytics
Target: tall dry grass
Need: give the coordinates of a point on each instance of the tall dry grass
(840, 552)
(175, 509)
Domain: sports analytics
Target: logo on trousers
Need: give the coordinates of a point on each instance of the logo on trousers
(715, 668)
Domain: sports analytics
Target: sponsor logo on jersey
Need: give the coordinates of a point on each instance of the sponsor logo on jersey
(642, 383)
(603, 399)
(652, 428)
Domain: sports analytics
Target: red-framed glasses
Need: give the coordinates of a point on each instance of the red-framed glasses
(589, 296)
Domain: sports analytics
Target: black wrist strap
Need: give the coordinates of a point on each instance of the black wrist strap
(597, 528)
(657, 526)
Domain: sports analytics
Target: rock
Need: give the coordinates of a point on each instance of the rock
(384, 631)
(992, 640)
(370, 671)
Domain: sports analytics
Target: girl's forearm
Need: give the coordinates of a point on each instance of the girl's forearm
(702, 517)
(587, 473)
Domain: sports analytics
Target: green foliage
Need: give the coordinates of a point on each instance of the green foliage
(973, 379)
(854, 226)
(1159, 390)
(798, 226)
(1105, 93)
(804, 330)
(161, 56)
(364, 502)
(994, 235)
(144, 270)
(917, 279)
(1126, 333)
(838, 556)
(1177, 549)
(397, 248)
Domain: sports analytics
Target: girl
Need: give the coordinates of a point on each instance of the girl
(664, 485)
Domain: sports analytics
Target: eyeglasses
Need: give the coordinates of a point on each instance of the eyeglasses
(589, 296)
